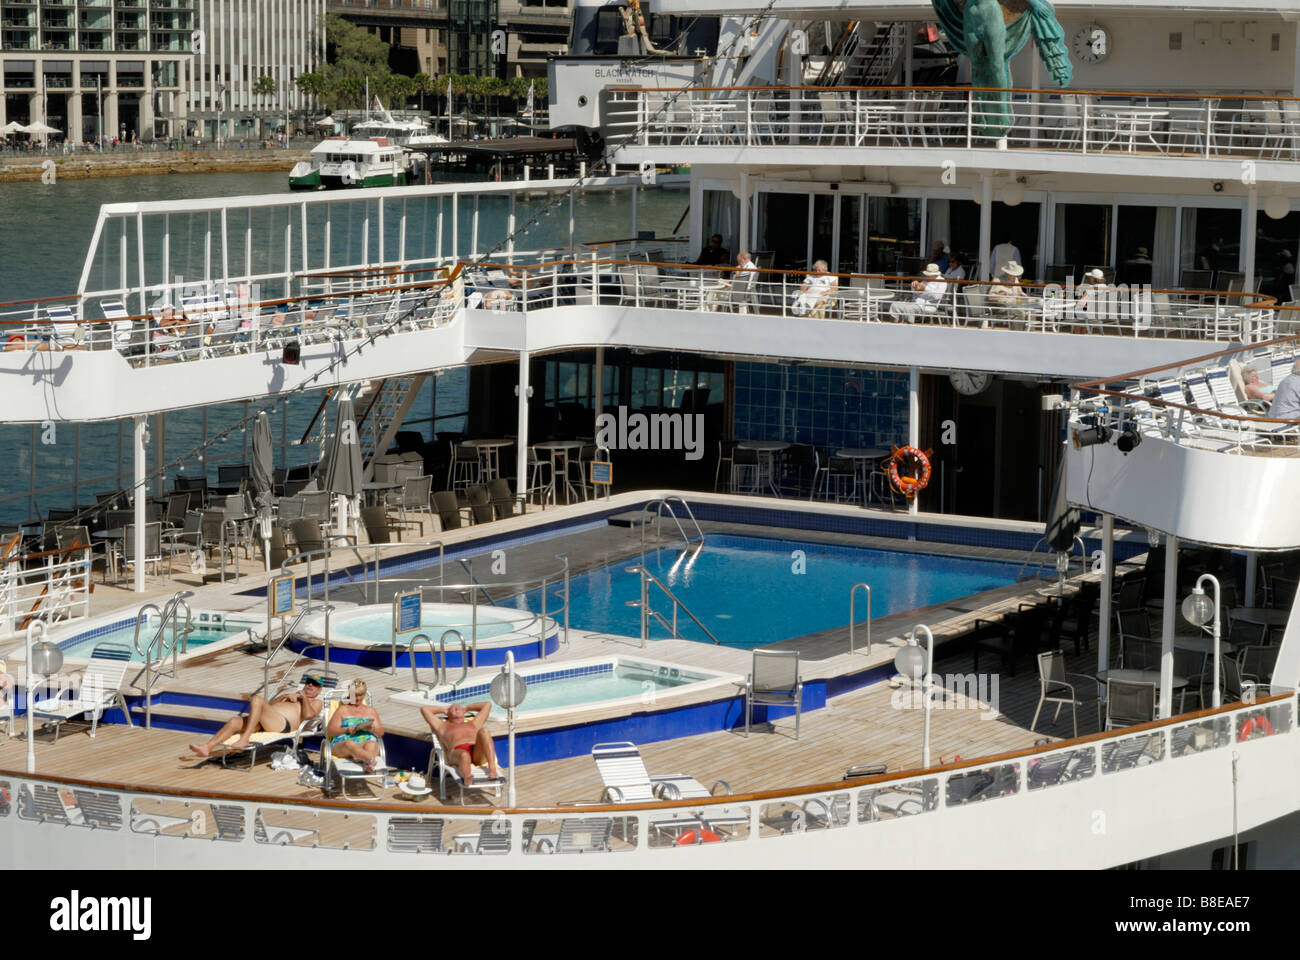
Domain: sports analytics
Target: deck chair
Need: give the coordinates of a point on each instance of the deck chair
(120, 324)
(264, 740)
(342, 771)
(774, 681)
(504, 503)
(447, 771)
(1225, 395)
(64, 330)
(447, 507)
(1129, 703)
(93, 690)
(624, 775)
(1055, 688)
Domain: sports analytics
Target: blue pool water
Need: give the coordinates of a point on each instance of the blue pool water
(199, 636)
(567, 688)
(378, 628)
(748, 591)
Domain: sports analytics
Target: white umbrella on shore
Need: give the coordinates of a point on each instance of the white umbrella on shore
(325, 122)
(12, 127)
(39, 129)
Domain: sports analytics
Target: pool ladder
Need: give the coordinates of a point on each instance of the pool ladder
(180, 637)
(647, 611)
(659, 506)
(439, 658)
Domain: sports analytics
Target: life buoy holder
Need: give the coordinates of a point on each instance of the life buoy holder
(909, 485)
(1253, 724)
(691, 837)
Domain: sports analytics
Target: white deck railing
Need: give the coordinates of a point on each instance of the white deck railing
(909, 117)
(50, 586)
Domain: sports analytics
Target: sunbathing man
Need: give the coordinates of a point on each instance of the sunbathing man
(465, 743)
(281, 715)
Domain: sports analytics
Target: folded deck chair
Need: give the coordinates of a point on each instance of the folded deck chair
(93, 690)
(342, 771)
(63, 326)
(625, 778)
(447, 771)
(119, 322)
(264, 739)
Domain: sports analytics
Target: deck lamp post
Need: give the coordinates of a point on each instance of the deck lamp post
(508, 690)
(909, 661)
(1199, 609)
(44, 659)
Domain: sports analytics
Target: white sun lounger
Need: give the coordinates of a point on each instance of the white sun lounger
(93, 690)
(625, 778)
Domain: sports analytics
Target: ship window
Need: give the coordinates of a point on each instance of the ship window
(609, 27)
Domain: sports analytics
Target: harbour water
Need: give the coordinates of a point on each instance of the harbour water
(45, 233)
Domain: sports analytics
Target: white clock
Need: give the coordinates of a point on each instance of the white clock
(969, 384)
(1091, 44)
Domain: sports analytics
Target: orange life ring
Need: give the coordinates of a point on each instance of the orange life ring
(909, 486)
(1259, 723)
(691, 837)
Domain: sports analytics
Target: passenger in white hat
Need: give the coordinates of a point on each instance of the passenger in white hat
(1092, 295)
(927, 292)
(1006, 297)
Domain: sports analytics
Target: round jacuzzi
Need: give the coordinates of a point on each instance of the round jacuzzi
(364, 635)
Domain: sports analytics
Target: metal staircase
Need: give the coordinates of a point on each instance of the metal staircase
(383, 406)
(859, 60)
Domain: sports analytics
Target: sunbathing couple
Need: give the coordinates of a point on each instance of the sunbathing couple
(466, 743)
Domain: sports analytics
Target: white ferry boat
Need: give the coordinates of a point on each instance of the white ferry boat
(706, 682)
(353, 161)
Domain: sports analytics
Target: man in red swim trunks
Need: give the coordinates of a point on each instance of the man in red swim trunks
(465, 742)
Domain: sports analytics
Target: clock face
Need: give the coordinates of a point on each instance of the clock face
(1091, 44)
(968, 384)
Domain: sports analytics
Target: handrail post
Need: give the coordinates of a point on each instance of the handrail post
(645, 601)
(853, 615)
(415, 676)
(1083, 136)
(542, 645)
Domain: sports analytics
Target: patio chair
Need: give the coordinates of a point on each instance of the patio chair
(726, 454)
(578, 470)
(774, 681)
(1129, 703)
(1255, 662)
(65, 332)
(93, 690)
(121, 326)
(504, 502)
(152, 547)
(447, 771)
(480, 504)
(1055, 688)
(379, 526)
(537, 467)
(744, 471)
(623, 774)
(447, 509)
(464, 466)
(415, 498)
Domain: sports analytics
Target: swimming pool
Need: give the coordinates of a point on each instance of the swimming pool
(751, 591)
(207, 628)
(579, 685)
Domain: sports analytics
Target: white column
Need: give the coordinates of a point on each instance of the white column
(521, 467)
(1248, 241)
(986, 225)
(572, 248)
(913, 419)
(744, 210)
(598, 388)
(1107, 588)
(141, 498)
(455, 226)
(1167, 628)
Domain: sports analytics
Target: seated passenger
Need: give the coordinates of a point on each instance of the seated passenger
(927, 292)
(354, 729)
(281, 715)
(815, 292)
(1255, 389)
(465, 743)
(1286, 398)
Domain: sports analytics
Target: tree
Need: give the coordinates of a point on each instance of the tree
(264, 86)
(424, 85)
(353, 52)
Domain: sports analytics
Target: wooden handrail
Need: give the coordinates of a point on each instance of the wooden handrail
(23, 303)
(752, 797)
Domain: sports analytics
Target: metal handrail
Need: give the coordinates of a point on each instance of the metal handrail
(159, 639)
(433, 659)
(271, 652)
(853, 592)
(464, 657)
(646, 611)
(659, 506)
(1042, 561)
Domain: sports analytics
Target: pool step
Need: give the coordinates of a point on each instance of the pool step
(632, 518)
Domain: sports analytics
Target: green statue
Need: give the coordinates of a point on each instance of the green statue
(990, 33)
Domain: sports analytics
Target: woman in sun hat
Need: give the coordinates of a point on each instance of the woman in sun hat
(927, 291)
(1006, 297)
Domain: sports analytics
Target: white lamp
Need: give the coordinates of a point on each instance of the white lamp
(1277, 206)
(44, 659)
(909, 661)
(1198, 610)
(1013, 194)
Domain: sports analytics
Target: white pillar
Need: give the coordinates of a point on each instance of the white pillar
(744, 210)
(572, 247)
(598, 389)
(1107, 588)
(986, 226)
(636, 191)
(521, 427)
(913, 419)
(1248, 245)
(141, 498)
(1167, 628)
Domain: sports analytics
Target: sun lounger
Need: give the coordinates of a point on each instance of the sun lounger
(93, 690)
(625, 778)
(447, 771)
(342, 771)
(64, 328)
(263, 739)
